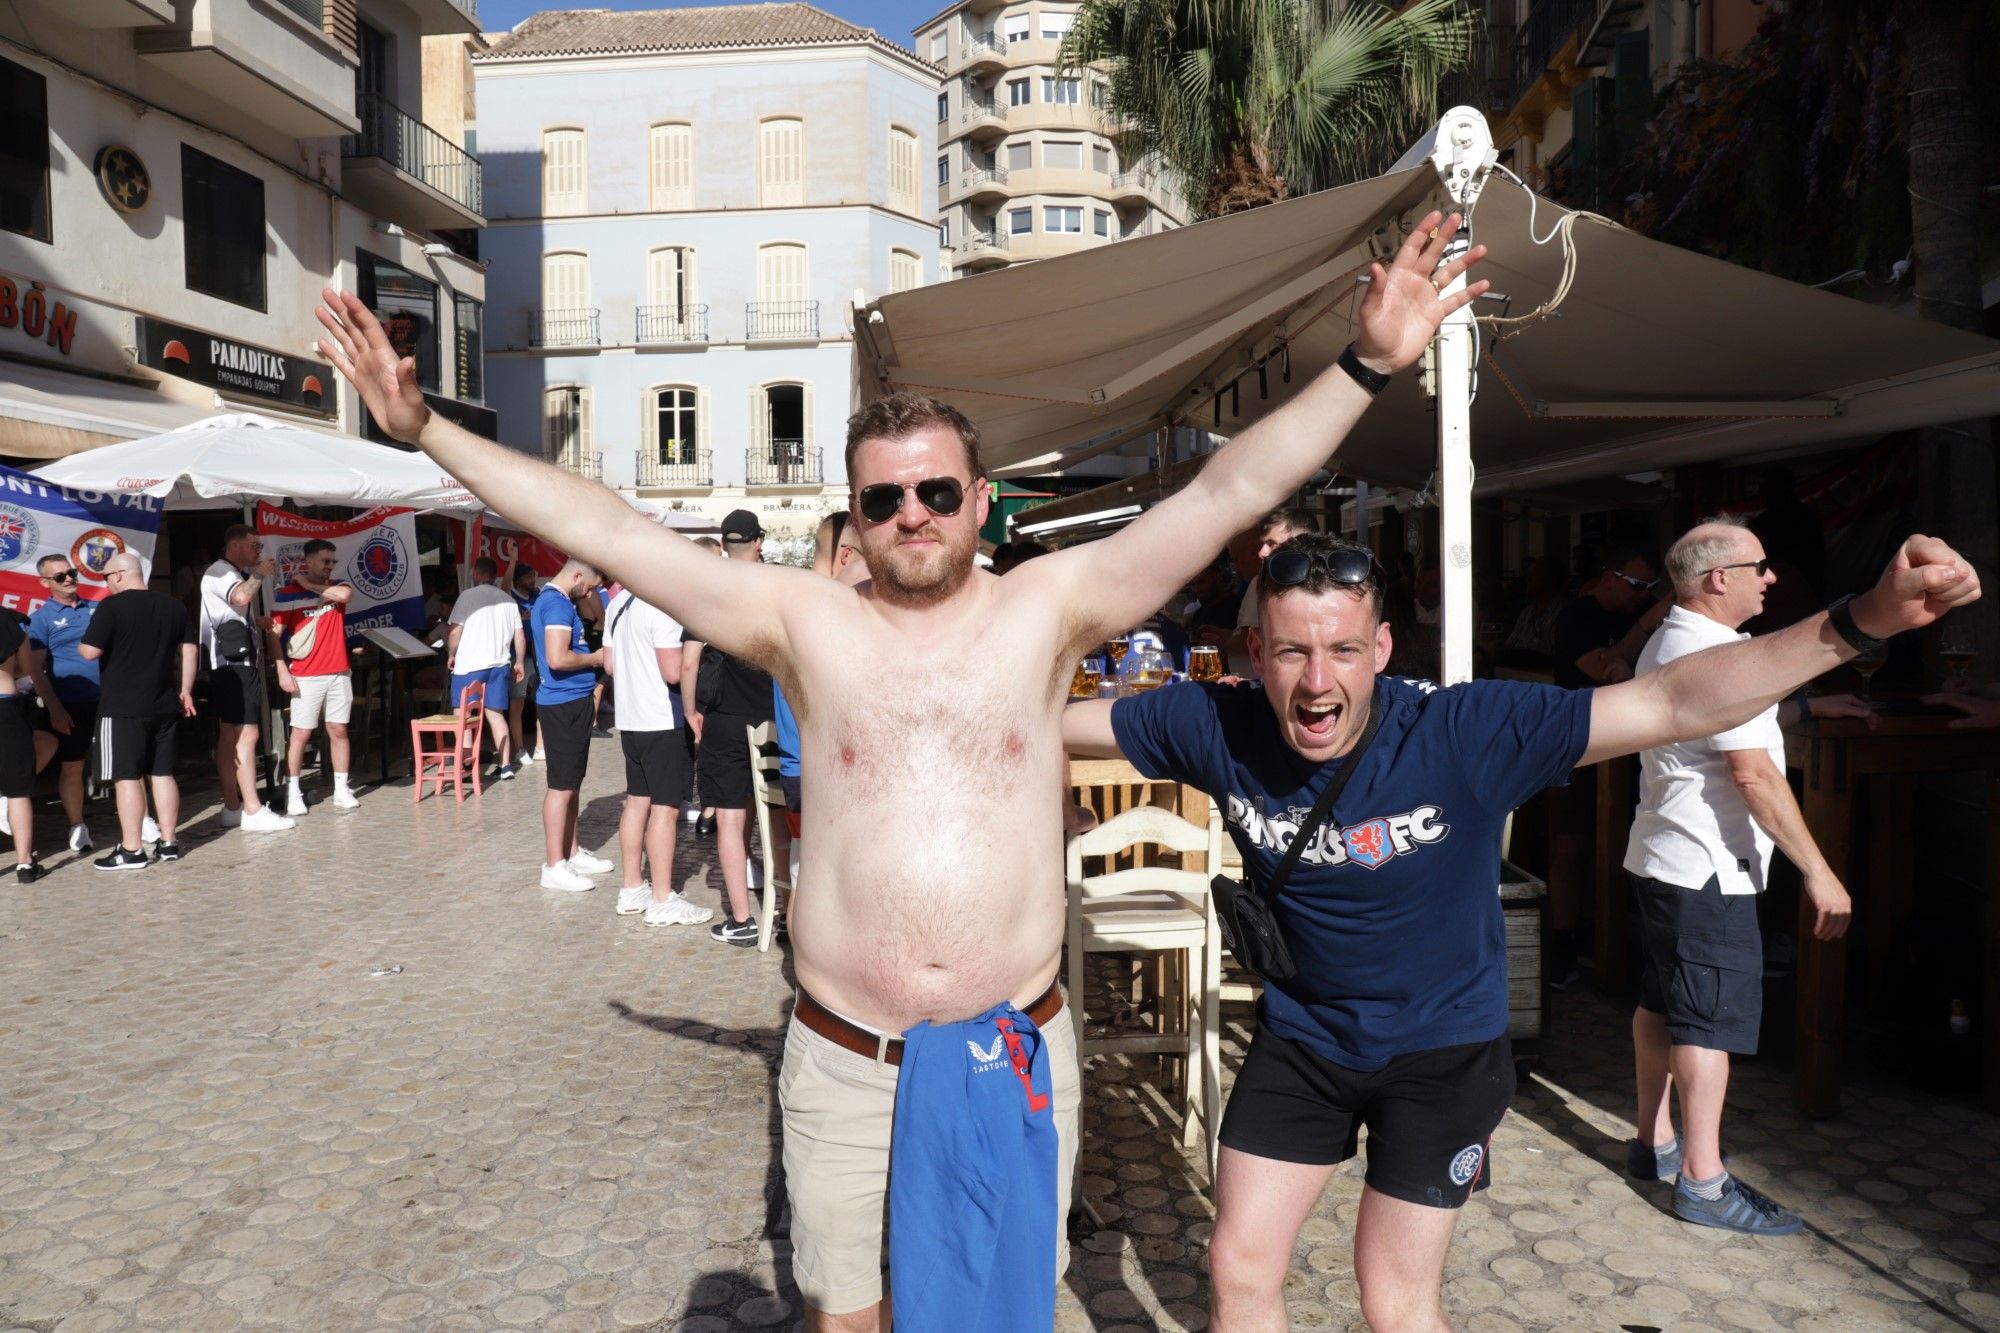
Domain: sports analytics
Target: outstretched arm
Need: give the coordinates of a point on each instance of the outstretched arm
(1087, 731)
(1114, 584)
(732, 603)
(1719, 688)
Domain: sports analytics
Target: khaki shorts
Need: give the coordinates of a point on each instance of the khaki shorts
(331, 695)
(839, 1108)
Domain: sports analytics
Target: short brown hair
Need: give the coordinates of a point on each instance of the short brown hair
(901, 415)
(1318, 581)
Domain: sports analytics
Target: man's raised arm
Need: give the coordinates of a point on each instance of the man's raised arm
(1719, 688)
(1116, 583)
(734, 603)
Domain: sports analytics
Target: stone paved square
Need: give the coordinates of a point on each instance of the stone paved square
(214, 1115)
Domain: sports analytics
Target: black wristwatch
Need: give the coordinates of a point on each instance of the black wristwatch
(1372, 380)
(1841, 616)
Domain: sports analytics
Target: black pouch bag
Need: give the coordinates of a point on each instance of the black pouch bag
(1249, 923)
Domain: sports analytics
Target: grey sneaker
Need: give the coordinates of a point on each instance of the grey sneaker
(1741, 1208)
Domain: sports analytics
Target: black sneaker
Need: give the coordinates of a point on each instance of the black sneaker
(742, 933)
(167, 851)
(120, 859)
(705, 827)
(27, 872)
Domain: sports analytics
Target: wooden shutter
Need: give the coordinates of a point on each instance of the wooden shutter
(902, 170)
(781, 273)
(566, 283)
(564, 169)
(781, 160)
(671, 157)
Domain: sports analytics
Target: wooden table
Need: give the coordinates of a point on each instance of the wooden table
(1835, 755)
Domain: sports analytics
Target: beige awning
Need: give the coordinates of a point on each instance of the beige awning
(1658, 357)
(48, 413)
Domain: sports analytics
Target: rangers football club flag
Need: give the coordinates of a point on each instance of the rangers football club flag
(375, 553)
(86, 527)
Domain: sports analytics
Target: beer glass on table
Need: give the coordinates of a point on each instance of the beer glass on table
(1148, 669)
(1089, 675)
(1867, 664)
(1117, 648)
(1960, 649)
(1204, 662)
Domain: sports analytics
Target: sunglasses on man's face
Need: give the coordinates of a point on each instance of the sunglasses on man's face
(63, 576)
(1635, 584)
(943, 496)
(1288, 569)
(1762, 567)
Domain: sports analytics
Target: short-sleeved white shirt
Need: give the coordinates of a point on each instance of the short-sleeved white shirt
(490, 618)
(642, 697)
(1692, 822)
(217, 582)
(1249, 615)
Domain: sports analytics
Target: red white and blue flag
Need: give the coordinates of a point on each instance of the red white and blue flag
(375, 552)
(85, 527)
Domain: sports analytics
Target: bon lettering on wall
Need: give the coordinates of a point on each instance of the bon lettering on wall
(375, 553)
(87, 528)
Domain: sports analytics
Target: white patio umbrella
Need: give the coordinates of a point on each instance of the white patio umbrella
(242, 456)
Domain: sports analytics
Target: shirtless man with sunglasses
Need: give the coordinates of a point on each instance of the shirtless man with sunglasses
(929, 699)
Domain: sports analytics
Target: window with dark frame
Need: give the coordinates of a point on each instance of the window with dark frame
(222, 222)
(407, 305)
(24, 152)
(468, 316)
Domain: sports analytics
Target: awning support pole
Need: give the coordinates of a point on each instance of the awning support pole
(1463, 154)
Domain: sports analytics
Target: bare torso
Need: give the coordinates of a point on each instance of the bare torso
(933, 834)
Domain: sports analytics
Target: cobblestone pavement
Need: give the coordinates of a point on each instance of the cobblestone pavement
(213, 1114)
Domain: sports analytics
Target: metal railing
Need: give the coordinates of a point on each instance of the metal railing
(981, 108)
(672, 324)
(312, 11)
(782, 463)
(767, 320)
(1549, 27)
(671, 466)
(979, 241)
(976, 47)
(562, 328)
(412, 147)
(974, 177)
(1133, 180)
(584, 464)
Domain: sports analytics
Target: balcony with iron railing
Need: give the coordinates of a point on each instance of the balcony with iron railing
(674, 464)
(982, 116)
(671, 324)
(401, 169)
(981, 248)
(583, 462)
(1550, 26)
(263, 63)
(562, 328)
(976, 181)
(981, 50)
(782, 463)
(780, 321)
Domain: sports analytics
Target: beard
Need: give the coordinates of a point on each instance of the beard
(922, 578)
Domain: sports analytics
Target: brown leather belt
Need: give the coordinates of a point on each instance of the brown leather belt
(816, 1017)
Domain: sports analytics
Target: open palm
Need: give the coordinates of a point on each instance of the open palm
(1403, 308)
(361, 351)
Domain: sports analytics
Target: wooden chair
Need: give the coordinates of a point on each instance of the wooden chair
(464, 727)
(1152, 909)
(767, 795)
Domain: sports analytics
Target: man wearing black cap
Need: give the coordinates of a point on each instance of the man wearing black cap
(728, 697)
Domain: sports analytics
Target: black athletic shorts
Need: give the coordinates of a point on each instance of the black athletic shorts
(1430, 1114)
(566, 742)
(1702, 963)
(658, 766)
(129, 748)
(722, 765)
(236, 694)
(75, 747)
(17, 747)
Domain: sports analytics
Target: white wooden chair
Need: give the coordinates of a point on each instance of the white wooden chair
(1152, 910)
(767, 799)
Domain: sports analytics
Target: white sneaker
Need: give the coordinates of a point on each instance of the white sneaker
(677, 911)
(344, 799)
(267, 820)
(79, 839)
(560, 876)
(6, 819)
(232, 818)
(149, 831)
(295, 805)
(633, 901)
(525, 758)
(584, 863)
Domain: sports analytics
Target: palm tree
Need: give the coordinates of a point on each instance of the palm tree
(1249, 101)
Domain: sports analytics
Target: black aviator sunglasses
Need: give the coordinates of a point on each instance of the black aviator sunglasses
(943, 496)
(1762, 567)
(1349, 569)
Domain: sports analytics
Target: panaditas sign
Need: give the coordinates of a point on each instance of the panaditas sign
(235, 367)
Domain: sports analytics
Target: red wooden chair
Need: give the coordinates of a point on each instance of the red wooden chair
(443, 765)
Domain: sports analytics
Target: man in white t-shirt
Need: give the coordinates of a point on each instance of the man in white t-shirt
(1709, 813)
(646, 656)
(229, 590)
(488, 646)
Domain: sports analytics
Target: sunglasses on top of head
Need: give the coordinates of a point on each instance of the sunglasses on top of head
(943, 496)
(1288, 569)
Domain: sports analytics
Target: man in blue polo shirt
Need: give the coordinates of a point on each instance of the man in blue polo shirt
(69, 718)
(569, 667)
(1397, 1016)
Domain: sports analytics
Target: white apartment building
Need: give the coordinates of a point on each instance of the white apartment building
(178, 183)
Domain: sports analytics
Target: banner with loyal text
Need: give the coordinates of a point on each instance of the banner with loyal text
(86, 527)
(376, 552)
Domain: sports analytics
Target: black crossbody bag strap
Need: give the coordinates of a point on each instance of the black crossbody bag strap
(1321, 809)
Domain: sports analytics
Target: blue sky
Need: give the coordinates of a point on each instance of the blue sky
(894, 19)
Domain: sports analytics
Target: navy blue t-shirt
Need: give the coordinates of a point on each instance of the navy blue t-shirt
(1394, 921)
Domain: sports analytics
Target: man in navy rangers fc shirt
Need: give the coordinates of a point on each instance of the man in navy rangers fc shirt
(1397, 1017)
